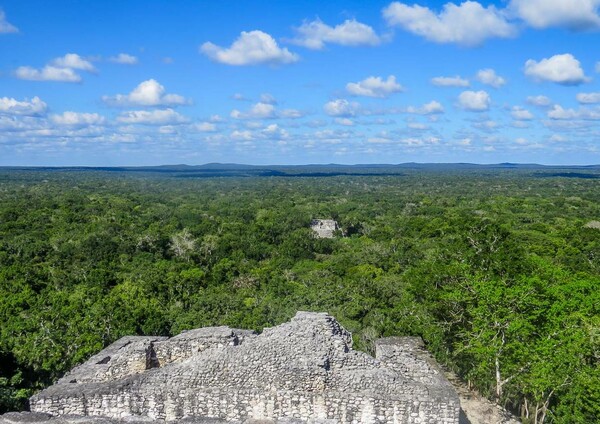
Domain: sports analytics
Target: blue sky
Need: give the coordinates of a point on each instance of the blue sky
(272, 82)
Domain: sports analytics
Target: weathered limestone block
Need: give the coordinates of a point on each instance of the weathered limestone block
(301, 371)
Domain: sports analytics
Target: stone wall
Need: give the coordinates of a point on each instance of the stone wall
(301, 370)
(324, 228)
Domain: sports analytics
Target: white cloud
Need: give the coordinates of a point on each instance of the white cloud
(5, 26)
(274, 132)
(151, 117)
(347, 122)
(474, 101)
(47, 73)
(250, 48)
(147, 93)
(240, 97)
(455, 81)
(571, 14)
(562, 69)
(60, 69)
(489, 77)
(469, 23)
(521, 140)
(204, 127)
(374, 87)
(268, 98)
(262, 110)
(486, 125)
(11, 106)
(588, 98)
(418, 141)
(124, 59)
(242, 135)
(558, 112)
(521, 114)
(258, 111)
(541, 101)
(315, 34)
(430, 108)
(341, 107)
(77, 119)
(418, 126)
(291, 114)
(73, 61)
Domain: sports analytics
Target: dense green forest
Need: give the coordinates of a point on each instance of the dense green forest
(498, 270)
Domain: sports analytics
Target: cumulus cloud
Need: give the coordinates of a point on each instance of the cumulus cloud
(474, 101)
(77, 119)
(431, 108)
(73, 61)
(347, 122)
(521, 114)
(291, 114)
(33, 107)
(274, 132)
(47, 73)
(262, 110)
(559, 113)
(147, 93)
(204, 127)
(250, 48)
(374, 87)
(268, 98)
(60, 69)
(541, 101)
(124, 59)
(489, 77)
(315, 34)
(419, 126)
(575, 15)
(588, 98)
(341, 108)
(468, 24)
(561, 69)
(486, 125)
(240, 97)
(455, 81)
(258, 111)
(5, 26)
(151, 117)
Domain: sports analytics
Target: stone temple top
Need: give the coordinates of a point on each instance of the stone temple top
(324, 228)
(304, 370)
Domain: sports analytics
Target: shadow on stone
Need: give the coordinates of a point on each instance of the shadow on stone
(462, 418)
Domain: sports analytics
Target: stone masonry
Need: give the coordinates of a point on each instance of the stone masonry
(301, 371)
(324, 228)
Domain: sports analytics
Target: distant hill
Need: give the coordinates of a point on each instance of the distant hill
(212, 170)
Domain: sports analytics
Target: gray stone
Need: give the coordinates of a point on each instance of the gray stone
(302, 371)
(324, 228)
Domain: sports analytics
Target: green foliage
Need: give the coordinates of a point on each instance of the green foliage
(498, 272)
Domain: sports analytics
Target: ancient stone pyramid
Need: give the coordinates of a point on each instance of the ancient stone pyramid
(301, 371)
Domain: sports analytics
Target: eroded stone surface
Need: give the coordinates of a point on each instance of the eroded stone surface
(324, 228)
(301, 371)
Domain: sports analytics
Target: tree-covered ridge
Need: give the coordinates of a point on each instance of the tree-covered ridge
(498, 271)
